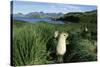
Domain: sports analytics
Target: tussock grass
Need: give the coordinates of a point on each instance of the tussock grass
(34, 43)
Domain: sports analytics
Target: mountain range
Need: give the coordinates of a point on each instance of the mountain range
(39, 15)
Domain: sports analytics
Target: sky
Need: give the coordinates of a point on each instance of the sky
(28, 6)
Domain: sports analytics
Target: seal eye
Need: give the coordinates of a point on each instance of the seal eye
(64, 35)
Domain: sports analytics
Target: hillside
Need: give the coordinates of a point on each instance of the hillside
(84, 17)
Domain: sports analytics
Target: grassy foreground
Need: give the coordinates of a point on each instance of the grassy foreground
(34, 43)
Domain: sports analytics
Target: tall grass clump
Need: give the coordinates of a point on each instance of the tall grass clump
(80, 49)
(29, 44)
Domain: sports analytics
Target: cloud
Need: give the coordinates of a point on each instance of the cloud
(66, 8)
(74, 8)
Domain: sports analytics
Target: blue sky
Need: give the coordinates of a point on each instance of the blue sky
(26, 7)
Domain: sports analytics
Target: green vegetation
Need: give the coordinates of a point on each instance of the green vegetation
(84, 17)
(34, 43)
